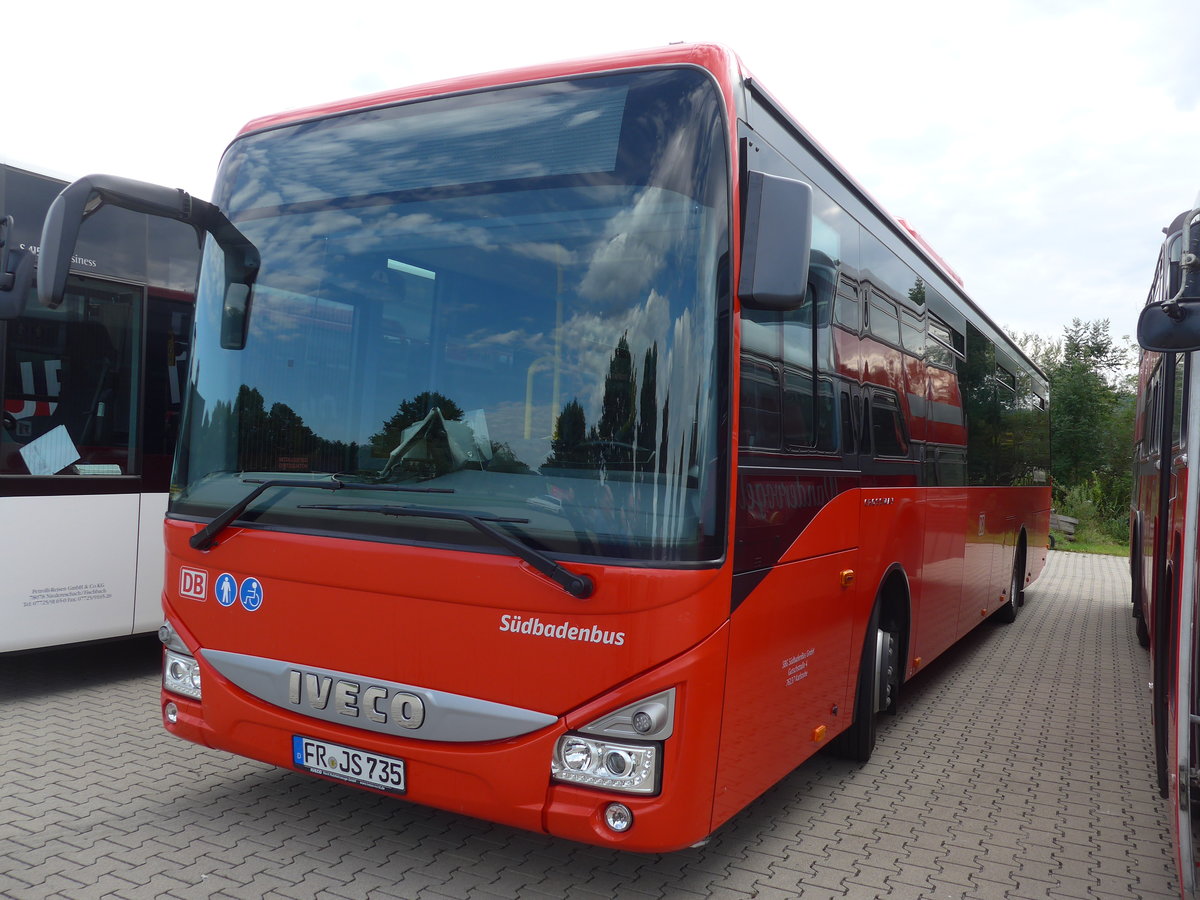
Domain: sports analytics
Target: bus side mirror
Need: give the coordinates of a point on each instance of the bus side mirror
(1167, 328)
(16, 273)
(84, 197)
(776, 242)
(1174, 326)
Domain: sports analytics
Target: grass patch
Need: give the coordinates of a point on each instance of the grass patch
(1088, 540)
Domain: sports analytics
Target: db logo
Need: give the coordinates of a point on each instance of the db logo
(193, 583)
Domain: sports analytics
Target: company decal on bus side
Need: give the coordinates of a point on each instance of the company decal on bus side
(878, 501)
(561, 631)
(193, 583)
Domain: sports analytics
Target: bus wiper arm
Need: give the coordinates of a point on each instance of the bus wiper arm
(205, 538)
(579, 586)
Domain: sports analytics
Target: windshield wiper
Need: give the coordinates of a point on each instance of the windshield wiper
(579, 586)
(205, 538)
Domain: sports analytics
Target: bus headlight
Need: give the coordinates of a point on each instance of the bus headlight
(621, 750)
(610, 765)
(181, 674)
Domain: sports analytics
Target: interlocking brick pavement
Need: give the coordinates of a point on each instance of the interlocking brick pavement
(1019, 767)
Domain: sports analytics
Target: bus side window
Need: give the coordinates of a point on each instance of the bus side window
(849, 445)
(827, 418)
(760, 419)
(882, 321)
(847, 310)
(74, 366)
(887, 426)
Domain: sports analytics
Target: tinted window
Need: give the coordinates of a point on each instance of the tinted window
(882, 321)
(70, 387)
(848, 311)
(760, 405)
(887, 426)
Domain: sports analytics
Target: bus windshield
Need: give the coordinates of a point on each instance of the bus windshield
(510, 296)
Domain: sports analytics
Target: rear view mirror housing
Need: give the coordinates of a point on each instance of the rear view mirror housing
(1174, 326)
(1163, 328)
(84, 197)
(776, 242)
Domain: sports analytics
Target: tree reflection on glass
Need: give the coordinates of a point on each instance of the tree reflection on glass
(625, 436)
(277, 440)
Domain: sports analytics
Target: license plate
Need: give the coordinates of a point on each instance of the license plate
(357, 766)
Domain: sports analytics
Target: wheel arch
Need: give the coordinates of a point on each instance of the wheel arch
(894, 599)
(1021, 563)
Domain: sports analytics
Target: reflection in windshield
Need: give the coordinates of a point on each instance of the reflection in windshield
(531, 321)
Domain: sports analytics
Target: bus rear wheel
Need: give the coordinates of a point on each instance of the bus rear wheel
(1008, 612)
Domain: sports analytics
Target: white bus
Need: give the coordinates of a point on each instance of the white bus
(91, 393)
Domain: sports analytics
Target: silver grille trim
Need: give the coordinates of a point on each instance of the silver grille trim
(372, 704)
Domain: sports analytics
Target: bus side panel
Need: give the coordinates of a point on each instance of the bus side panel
(1036, 517)
(148, 608)
(942, 575)
(789, 647)
(87, 594)
(984, 535)
(995, 518)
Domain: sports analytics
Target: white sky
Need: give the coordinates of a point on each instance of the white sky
(1039, 145)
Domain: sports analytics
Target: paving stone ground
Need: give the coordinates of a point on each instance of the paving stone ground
(1020, 767)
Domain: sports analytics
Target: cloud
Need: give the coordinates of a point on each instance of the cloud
(1039, 145)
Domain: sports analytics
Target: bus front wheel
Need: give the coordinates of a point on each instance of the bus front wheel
(877, 690)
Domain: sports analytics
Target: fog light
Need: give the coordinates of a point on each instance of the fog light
(171, 713)
(618, 817)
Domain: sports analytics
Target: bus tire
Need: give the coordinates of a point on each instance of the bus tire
(1007, 614)
(1141, 628)
(877, 690)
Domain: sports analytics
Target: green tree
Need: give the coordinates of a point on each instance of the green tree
(1091, 420)
(1089, 431)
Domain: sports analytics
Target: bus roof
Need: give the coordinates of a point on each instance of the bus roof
(713, 57)
(716, 58)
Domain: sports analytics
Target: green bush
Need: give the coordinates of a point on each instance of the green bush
(1100, 503)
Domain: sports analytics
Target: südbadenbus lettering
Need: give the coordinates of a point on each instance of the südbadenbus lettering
(562, 631)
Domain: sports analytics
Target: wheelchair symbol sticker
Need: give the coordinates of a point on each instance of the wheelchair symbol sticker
(251, 594)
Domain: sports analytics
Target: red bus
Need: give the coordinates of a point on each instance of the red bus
(92, 394)
(578, 448)
(1163, 522)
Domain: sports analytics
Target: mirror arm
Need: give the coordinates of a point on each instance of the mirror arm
(1189, 265)
(84, 197)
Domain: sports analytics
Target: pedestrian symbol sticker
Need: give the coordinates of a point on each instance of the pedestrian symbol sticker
(226, 589)
(251, 594)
